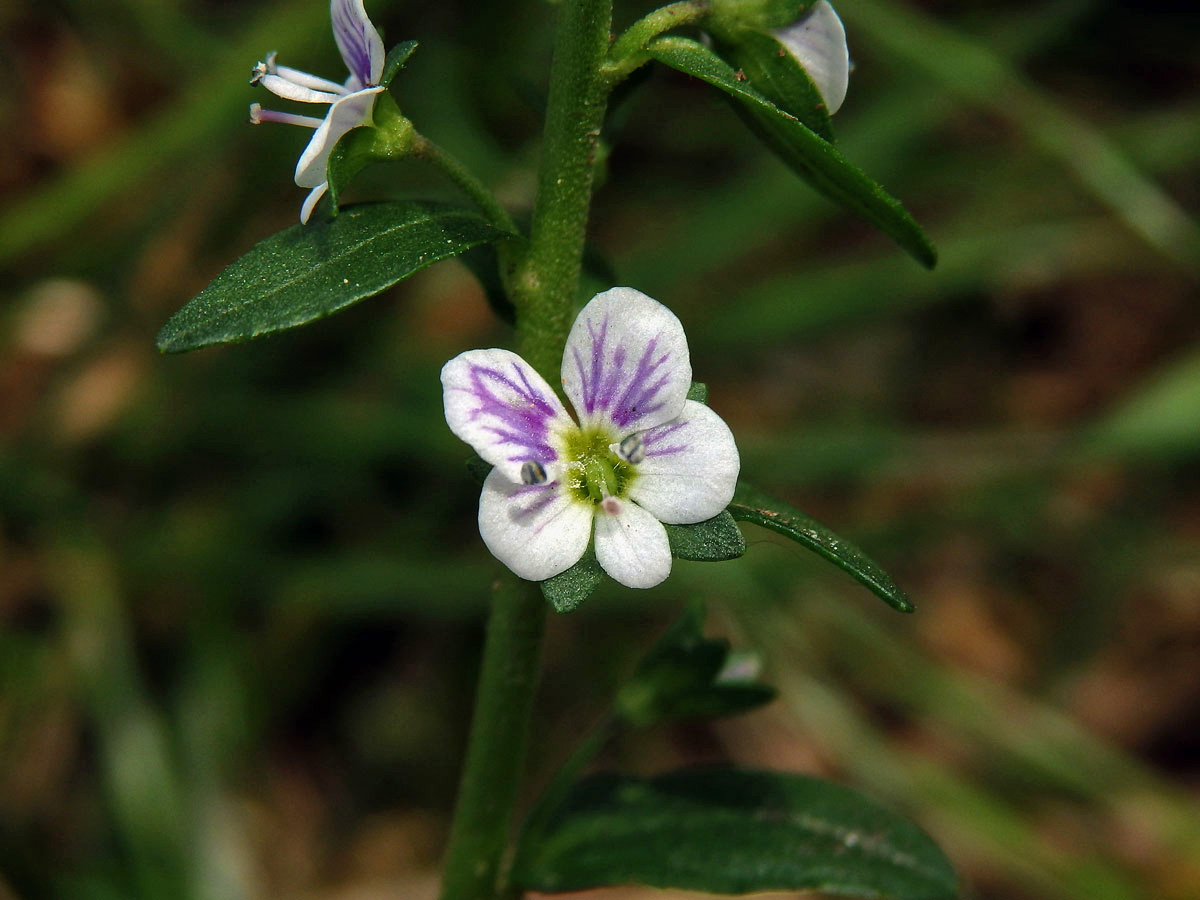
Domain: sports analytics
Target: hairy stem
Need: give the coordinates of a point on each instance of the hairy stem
(499, 737)
(548, 281)
(543, 290)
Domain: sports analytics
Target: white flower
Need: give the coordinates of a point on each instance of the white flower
(350, 103)
(818, 43)
(641, 455)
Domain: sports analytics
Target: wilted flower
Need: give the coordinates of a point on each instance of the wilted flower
(642, 454)
(350, 103)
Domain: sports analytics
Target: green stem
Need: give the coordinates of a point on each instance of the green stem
(627, 53)
(499, 735)
(548, 281)
(452, 168)
(543, 288)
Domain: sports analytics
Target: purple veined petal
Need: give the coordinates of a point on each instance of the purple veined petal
(537, 530)
(690, 468)
(818, 42)
(358, 40)
(348, 112)
(631, 545)
(626, 364)
(498, 403)
(290, 90)
(310, 202)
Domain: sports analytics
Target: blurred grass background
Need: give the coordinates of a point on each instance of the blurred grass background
(241, 591)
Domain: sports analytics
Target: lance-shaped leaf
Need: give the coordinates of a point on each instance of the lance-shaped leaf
(732, 832)
(752, 505)
(812, 157)
(306, 272)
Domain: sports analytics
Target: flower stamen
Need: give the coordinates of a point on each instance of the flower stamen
(632, 449)
(258, 115)
(533, 472)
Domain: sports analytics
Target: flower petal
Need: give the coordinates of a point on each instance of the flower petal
(316, 82)
(537, 530)
(348, 112)
(289, 90)
(626, 362)
(358, 40)
(818, 42)
(631, 545)
(690, 469)
(497, 403)
(311, 201)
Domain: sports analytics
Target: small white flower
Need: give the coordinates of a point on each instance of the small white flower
(350, 103)
(818, 42)
(642, 454)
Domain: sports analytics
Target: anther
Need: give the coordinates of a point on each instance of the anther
(533, 472)
(632, 449)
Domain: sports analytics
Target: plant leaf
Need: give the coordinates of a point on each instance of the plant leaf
(713, 540)
(395, 61)
(698, 392)
(752, 505)
(812, 157)
(733, 832)
(567, 590)
(306, 272)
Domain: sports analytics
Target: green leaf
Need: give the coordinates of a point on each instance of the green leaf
(714, 540)
(306, 272)
(733, 832)
(1159, 418)
(752, 505)
(395, 61)
(698, 392)
(812, 157)
(771, 69)
(567, 590)
(686, 675)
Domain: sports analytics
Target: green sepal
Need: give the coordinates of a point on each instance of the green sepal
(698, 392)
(775, 72)
(478, 469)
(713, 540)
(763, 14)
(306, 272)
(567, 590)
(807, 153)
(725, 831)
(686, 675)
(392, 136)
(752, 505)
(395, 60)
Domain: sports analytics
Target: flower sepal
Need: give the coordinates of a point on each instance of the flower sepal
(389, 136)
(802, 67)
